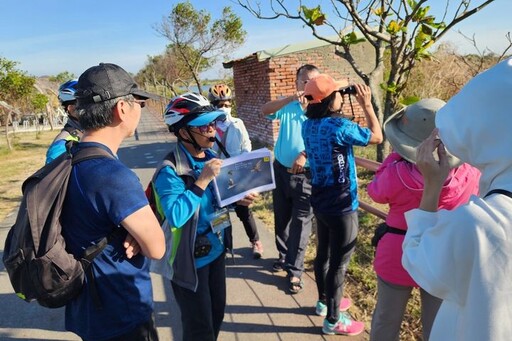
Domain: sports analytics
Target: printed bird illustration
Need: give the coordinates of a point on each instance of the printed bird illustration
(231, 182)
(257, 166)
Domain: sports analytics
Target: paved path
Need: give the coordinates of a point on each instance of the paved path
(258, 304)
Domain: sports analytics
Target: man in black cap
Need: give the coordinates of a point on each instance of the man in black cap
(104, 195)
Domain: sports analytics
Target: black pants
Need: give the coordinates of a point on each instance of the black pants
(292, 217)
(202, 311)
(336, 243)
(144, 332)
(245, 215)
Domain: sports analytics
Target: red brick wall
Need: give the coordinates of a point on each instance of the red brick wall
(259, 82)
(251, 81)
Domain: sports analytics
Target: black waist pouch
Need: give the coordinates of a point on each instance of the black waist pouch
(381, 230)
(202, 246)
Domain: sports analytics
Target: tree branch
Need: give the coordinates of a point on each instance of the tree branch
(463, 16)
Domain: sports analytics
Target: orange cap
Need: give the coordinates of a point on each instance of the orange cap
(322, 86)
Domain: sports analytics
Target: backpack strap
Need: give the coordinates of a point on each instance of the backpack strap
(88, 256)
(394, 230)
(89, 153)
(92, 251)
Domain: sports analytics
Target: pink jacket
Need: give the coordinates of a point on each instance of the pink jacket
(399, 184)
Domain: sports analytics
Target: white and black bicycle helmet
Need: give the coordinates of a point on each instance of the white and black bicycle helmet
(67, 91)
(181, 105)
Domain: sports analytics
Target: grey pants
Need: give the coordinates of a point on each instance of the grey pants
(292, 217)
(389, 311)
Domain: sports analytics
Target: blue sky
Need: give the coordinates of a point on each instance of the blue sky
(50, 36)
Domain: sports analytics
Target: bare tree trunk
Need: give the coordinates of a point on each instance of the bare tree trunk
(198, 83)
(9, 119)
(50, 113)
(374, 80)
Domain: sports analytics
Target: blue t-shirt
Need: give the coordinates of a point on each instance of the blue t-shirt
(180, 203)
(329, 150)
(101, 193)
(289, 141)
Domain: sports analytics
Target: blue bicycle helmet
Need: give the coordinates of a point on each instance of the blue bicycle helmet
(67, 91)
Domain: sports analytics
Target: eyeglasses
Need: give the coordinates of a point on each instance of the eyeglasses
(224, 105)
(206, 128)
(141, 102)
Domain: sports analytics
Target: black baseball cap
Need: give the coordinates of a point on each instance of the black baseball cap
(106, 81)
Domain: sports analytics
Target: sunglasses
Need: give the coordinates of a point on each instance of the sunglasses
(224, 105)
(141, 102)
(206, 128)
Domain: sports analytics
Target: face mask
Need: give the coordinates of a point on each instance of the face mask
(223, 125)
(227, 111)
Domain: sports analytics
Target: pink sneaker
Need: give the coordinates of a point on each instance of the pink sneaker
(345, 303)
(257, 249)
(321, 308)
(344, 326)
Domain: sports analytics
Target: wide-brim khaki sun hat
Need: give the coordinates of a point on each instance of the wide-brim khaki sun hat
(408, 127)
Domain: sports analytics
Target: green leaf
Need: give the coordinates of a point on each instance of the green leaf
(438, 25)
(423, 54)
(351, 39)
(314, 16)
(412, 4)
(39, 101)
(378, 11)
(420, 39)
(421, 14)
(409, 100)
(426, 30)
(389, 88)
(393, 27)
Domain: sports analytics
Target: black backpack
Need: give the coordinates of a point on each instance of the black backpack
(35, 256)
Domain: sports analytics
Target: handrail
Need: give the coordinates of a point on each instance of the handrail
(368, 164)
(373, 210)
(371, 166)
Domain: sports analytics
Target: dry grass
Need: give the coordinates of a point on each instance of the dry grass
(27, 156)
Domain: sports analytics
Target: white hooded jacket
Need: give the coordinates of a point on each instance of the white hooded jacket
(235, 137)
(464, 256)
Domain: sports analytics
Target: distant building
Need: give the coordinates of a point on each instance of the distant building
(270, 74)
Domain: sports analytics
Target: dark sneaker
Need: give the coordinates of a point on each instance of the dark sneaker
(278, 266)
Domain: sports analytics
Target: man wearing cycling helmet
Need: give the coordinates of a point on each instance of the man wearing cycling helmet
(234, 137)
(183, 184)
(72, 130)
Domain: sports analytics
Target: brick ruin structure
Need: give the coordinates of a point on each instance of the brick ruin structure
(270, 74)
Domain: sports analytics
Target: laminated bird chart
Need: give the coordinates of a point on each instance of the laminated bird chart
(243, 174)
